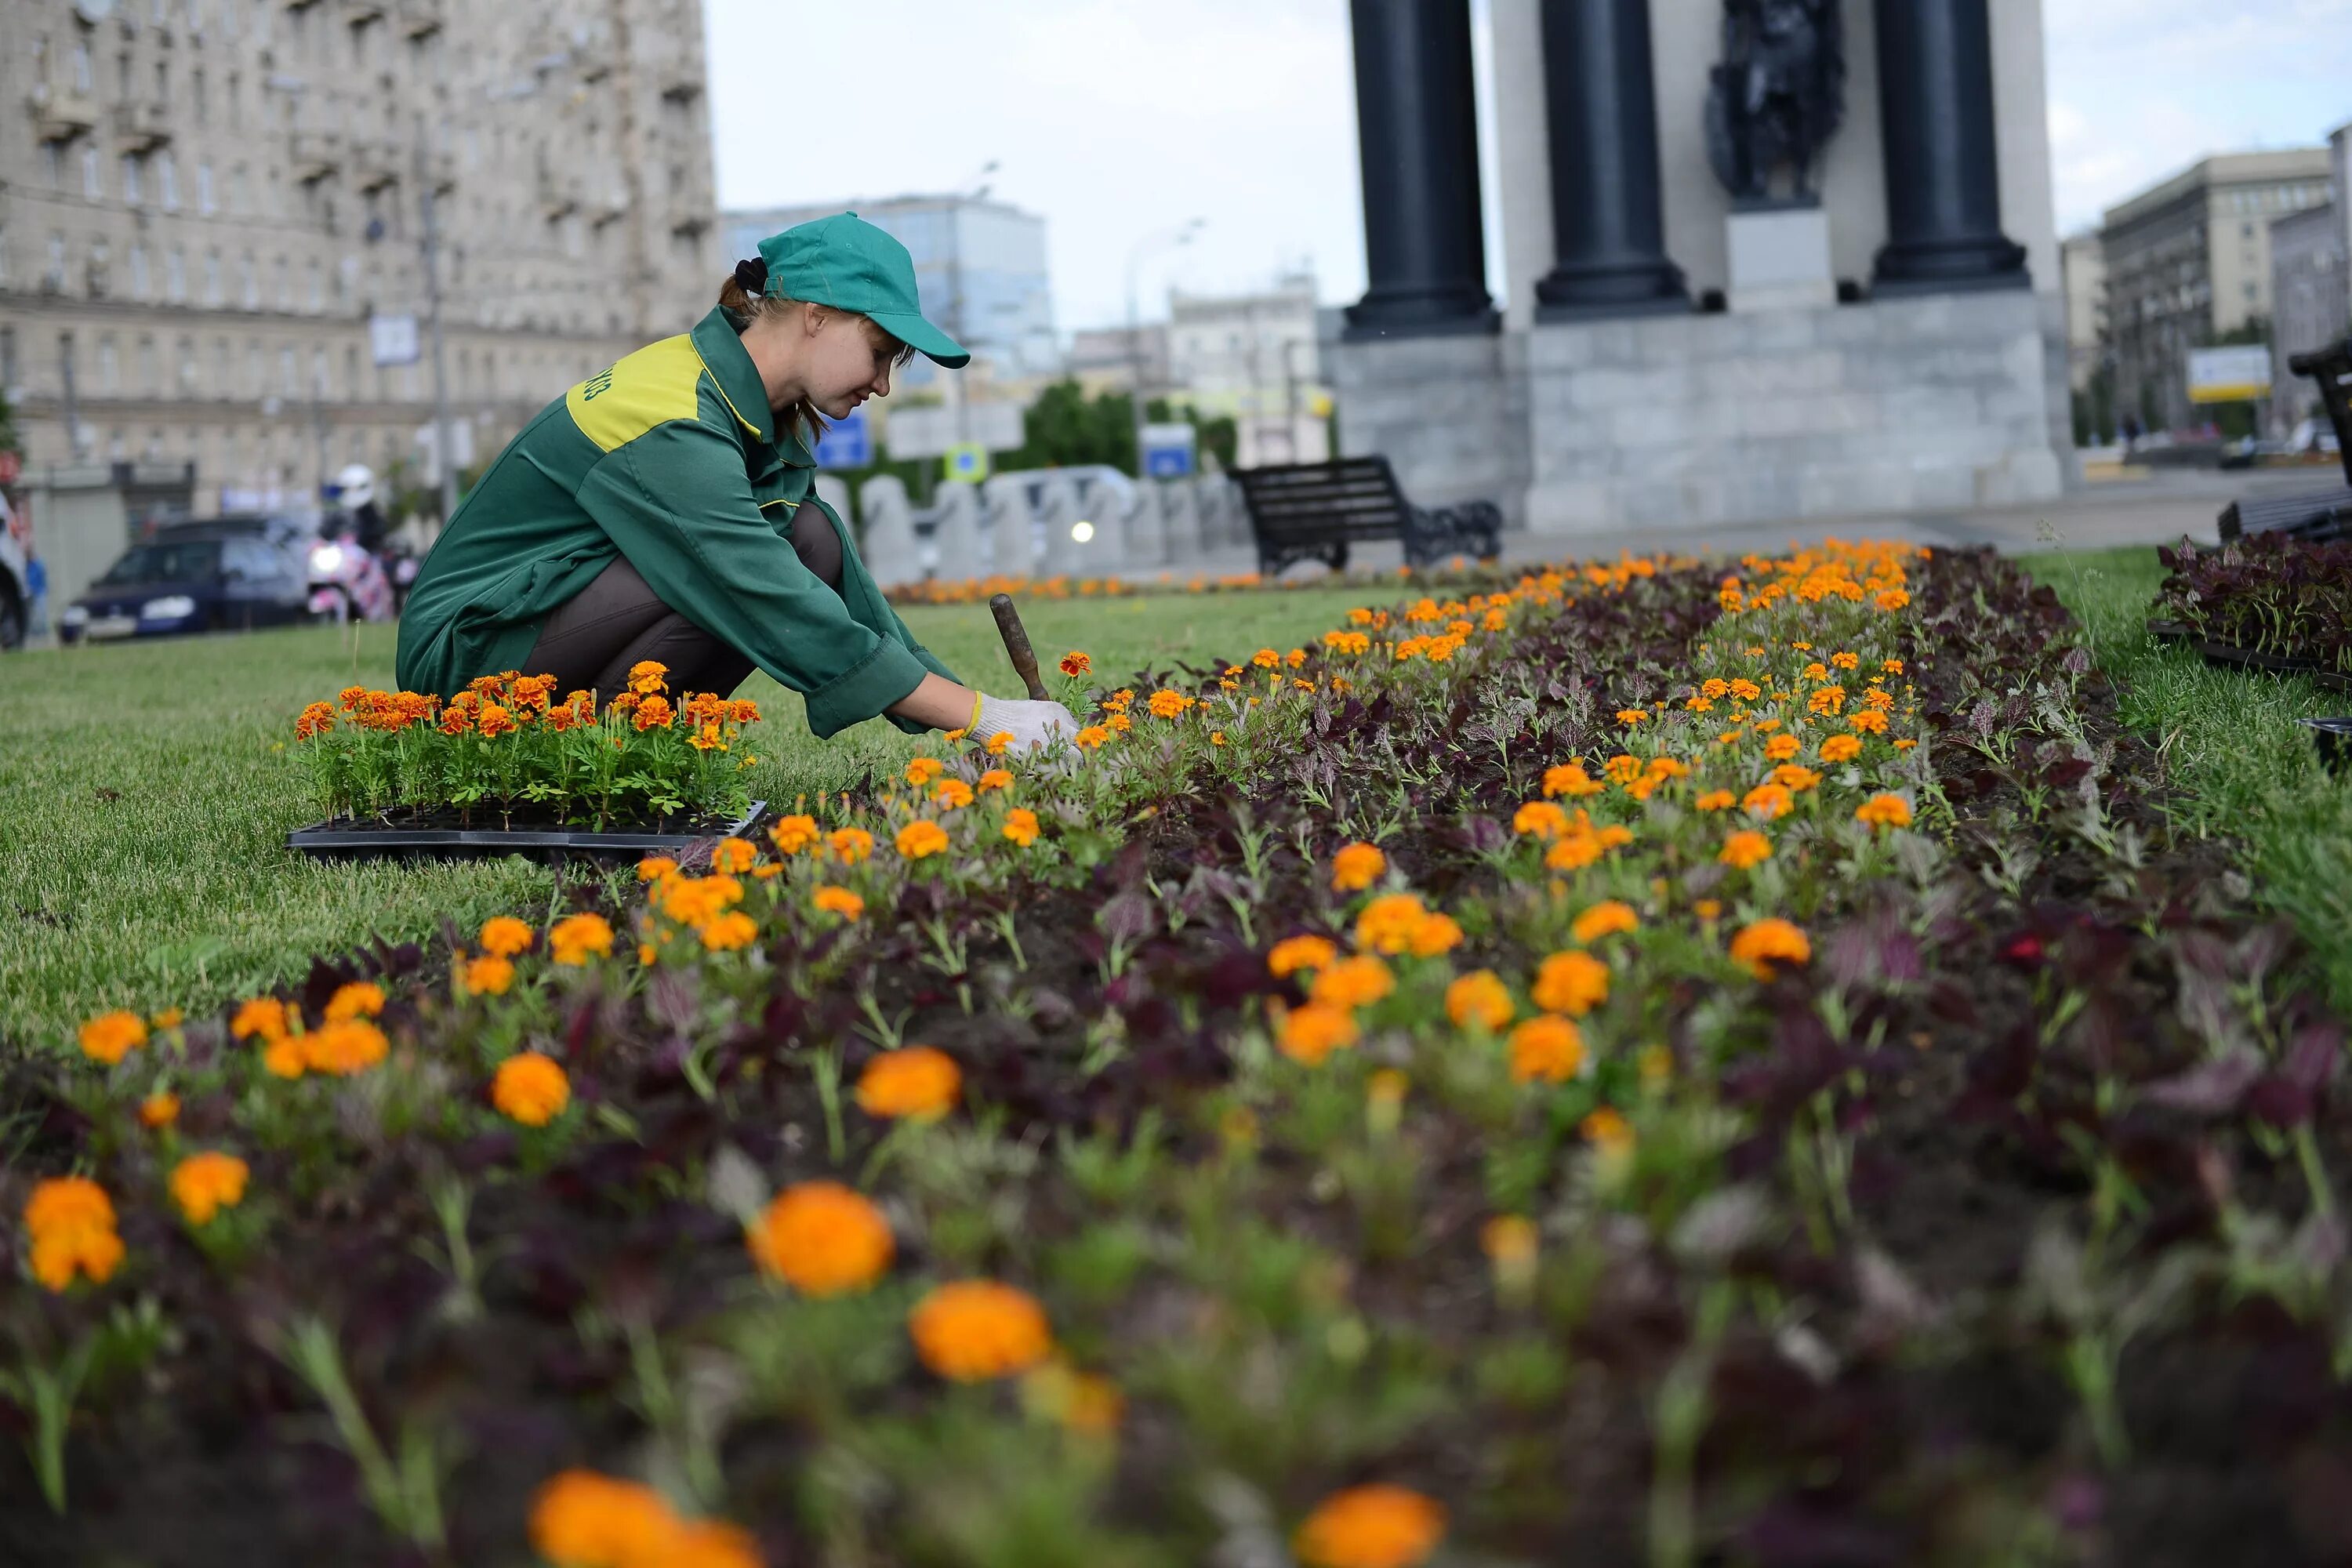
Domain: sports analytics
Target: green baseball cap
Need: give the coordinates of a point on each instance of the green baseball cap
(847, 263)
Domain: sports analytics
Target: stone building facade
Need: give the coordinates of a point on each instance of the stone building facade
(2188, 260)
(203, 202)
(1663, 358)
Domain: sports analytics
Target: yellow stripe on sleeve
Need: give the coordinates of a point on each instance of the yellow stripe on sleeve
(652, 387)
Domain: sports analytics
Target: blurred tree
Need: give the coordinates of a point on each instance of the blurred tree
(7, 423)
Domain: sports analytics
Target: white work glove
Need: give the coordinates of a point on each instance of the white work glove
(1030, 723)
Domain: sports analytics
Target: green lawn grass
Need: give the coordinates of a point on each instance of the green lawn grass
(146, 793)
(2237, 764)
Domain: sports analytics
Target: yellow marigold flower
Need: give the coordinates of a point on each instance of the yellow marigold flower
(1608, 1131)
(994, 778)
(1311, 1032)
(1021, 827)
(1479, 997)
(1828, 699)
(1390, 924)
(263, 1015)
(1759, 943)
(1603, 919)
(1746, 850)
(1715, 800)
(582, 1519)
(1780, 748)
(1885, 811)
(727, 933)
(284, 1057)
(204, 1185)
(489, 975)
(1369, 1527)
(1546, 1046)
(1569, 779)
(1075, 664)
(1903, 745)
(532, 1089)
(698, 900)
(110, 1036)
(1840, 749)
(972, 1330)
(169, 1018)
(359, 999)
(850, 846)
(1091, 737)
(1708, 908)
(998, 741)
(574, 938)
(1353, 983)
(953, 794)
(1872, 721)
(1768, 801)
(916, 1082)
(1357, 867)
(923, 770)
(1817, 670)
(1293, 953)
(342, 1047)
(791, 835)
(1845, 660)
(1169, 704)
(732, 856)
(921, 838)
(1216, 737)
(1573, 982)
(503, 936)
(839, 901)
(822, 1238)
(1891, 666)
(1630, 716)
(1508, 1238)
(1795, 777)
(1616, 835)
(160, 1109)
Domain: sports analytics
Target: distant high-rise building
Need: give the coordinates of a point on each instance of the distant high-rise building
(980, 265)
(2086, 272)
(2188, 260)
(1254, 356)
(203, 202)
(2311, 285)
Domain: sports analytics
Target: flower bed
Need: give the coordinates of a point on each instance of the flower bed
(504, 750)
(1642, 1065)
(2267, 601)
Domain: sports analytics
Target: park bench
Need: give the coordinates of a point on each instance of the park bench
(2314, 515)
(1314, 512)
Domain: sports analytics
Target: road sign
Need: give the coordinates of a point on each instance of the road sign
(393, 340)
(2241, 373)
(967, 461)
(1168, 450)
(848, 443)
(930, 431)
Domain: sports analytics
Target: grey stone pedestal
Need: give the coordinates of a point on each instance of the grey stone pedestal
(1449, 413)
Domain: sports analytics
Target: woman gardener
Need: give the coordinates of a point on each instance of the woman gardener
(663, 509)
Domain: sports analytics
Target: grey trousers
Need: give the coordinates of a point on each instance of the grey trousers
(591, 639)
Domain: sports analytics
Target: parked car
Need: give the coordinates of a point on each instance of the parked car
(15, 593)
(230, 574)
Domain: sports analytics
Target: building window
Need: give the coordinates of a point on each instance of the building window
(251, 277)
(285, 382)
(211, 278)
(317, 290)
(53, 165)
(138, 278)
(84, 81)
(167, 183)
(175, 275)
(205, 189)
(110, 372)
(197, 94)
(131, 192)
(90, 186)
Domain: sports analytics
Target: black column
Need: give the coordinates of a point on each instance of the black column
(1600, 109)
(1943, 161)
(1424, 253)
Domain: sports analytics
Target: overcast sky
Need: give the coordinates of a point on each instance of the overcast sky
(1117, 120)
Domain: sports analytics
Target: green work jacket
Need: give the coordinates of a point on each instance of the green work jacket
(672, 458)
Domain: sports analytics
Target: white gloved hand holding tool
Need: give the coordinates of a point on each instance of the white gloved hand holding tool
(1029, 723)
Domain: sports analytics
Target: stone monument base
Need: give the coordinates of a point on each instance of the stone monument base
(1781, 259)
(1449, 413)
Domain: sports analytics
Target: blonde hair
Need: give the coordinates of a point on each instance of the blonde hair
(747, 306)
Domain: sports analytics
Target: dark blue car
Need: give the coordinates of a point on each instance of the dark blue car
(227, 574)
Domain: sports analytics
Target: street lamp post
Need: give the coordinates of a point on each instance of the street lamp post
(1166, 239)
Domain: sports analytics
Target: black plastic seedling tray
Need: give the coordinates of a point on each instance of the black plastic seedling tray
(347, 837)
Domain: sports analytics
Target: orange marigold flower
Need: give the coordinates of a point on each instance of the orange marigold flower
(698, 900)
(921, 838)
(283, 1056)
(1479, 997)
(110, 1036)
(1091, 737)
(67, 1203)
(494, 721)
(656, 867)
(503, 936)
(1437, 933)
(316, 719)
(915, 1081)
(1630, 716)
(1845, 660)
(1902, 745)
(1768, 801)
(652, 714)
(160, 1109)
(1828, 699)
(1569, 779)
(358, 999)
(732, 855)
(582, 1519)
(1717, 800)
(850, 846)
(923, 770)
(574, 938)
(972, 1330)
(1708, 908)
(532, 1089)
(204, 1185)
(1780, 748)
(953, 794)
(1885, 811)
(1573, 982)
(1353, 983)
(645, 677)
(1369, 1527)
(342, 1047)
(1892, 599)
(1759, 943)
(1357, 867)
(1293, 953)
(71, 1221)
(1872, 721)
(489, 975)
(1542, 819)
(1546, 1046)
(1573, 853)
(791, 835)
(263, 1015)
(1169, 704)
(822, 1238)
(1746, 850)
(1603, 919)
(1075, 664)
(1508, 1239)
(994, 778)
(1840, 749)
(1795, 777)
(1607, 1130)
(1390, 924)
(1311, 1032)
(1021, 827)
(839, 901)
(727, 933)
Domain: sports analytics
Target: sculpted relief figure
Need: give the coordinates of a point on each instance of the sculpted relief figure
(1777, 97)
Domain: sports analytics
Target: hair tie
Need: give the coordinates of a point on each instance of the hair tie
(751, 276)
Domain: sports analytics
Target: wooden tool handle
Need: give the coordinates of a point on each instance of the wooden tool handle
(1016, 644)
